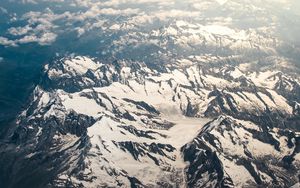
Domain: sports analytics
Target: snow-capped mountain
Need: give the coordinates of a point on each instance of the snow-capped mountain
(154, 94)
(202, 122)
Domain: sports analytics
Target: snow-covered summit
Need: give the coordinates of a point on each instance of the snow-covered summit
(125, 124)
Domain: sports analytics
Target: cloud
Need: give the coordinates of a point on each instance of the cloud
(40, 28)
(35, 1)
(44, 39)
(43, 27)
(6, 42)
(111, 11)
(28, 1)
(221, 2)
(80, 31)
(95, 12)
(16, 31)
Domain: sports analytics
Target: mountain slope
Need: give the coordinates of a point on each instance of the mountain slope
(124, 124)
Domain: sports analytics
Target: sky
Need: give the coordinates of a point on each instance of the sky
(42, 21)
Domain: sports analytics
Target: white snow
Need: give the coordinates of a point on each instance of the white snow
(297, 185)
(280, 102)
(184, 130)
(236, 73)
(238, 173)
(167, 93)
(80, 65)
(81, 105)
(221, 2)
(106, 130)
(262, 79)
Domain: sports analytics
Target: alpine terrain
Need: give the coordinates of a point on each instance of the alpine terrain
(206, 94)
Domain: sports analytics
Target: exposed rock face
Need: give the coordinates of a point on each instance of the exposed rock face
(224, 151)
(125, 124)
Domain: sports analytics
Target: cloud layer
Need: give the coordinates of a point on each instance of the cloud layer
(44, 26)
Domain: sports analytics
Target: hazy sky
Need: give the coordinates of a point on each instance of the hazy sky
(43, 21)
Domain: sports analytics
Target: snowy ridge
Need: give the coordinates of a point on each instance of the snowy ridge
(124, 124)
(242, 156)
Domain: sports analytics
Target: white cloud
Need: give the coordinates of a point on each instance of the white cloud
(221, 2)
(80, 31)
(28, 1)
(40, 28)
(43, 27)
(44, 39)
(28, 39)
(111, 11)
(35, 1)
(47, 38)
(6, 42)
(16, 31)
(95, 11)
